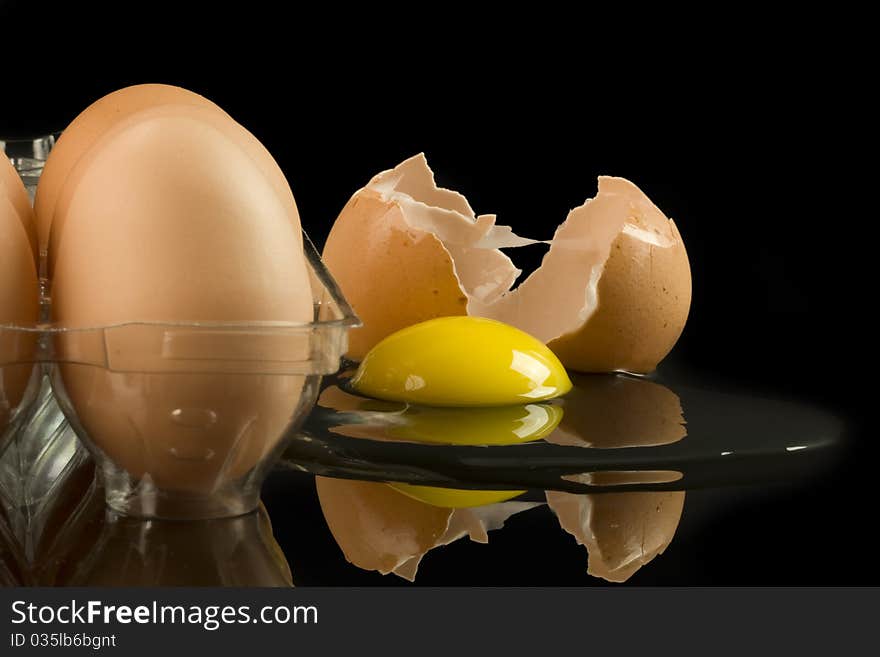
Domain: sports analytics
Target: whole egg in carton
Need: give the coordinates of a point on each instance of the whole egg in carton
(175, 220)
(19, 297)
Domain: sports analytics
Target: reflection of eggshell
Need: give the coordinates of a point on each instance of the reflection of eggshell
(171, 221)
(12, 187)
(380, 529)
(19, 298)
(621, 531)
(608, 411)
(208, 115)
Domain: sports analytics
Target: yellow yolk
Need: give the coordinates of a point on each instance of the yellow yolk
(461, 361)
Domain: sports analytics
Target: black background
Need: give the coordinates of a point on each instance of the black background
(737, 134)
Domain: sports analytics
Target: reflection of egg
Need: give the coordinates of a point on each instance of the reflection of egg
(171, 221)
(612, 293)
(18, 306)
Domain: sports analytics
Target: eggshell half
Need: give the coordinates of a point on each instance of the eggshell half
(621, 531)
(643, 296)
(614, 290)
(13, 188)
(172, 222)
(405, 251)
(208, 114)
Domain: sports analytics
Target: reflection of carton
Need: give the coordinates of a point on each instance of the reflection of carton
(84, 544)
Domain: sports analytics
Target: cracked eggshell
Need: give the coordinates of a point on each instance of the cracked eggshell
(614, 290)
(621, 531)
(173, 222)
(405, 251)
(19, 299)
(12, 187)
(136, 104)
(380, 529)
(612, 293)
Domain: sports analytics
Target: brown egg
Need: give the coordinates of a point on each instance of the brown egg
(19, 298)
(72, 152)
(86, 129)
(621, 531)
(171, 221)
(12, 187)
(612, 293)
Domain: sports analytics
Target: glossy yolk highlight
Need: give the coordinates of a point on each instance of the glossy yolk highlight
(461, 361)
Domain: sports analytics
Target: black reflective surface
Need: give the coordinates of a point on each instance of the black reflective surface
(627, 479)
(609, 423)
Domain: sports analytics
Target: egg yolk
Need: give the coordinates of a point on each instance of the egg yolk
(461, 361)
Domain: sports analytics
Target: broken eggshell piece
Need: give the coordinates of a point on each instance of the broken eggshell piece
(612, 293)
(402, 222)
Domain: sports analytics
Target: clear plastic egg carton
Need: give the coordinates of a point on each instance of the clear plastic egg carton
(183, 420)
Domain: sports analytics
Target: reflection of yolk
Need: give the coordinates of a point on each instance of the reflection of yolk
(454, 498)
(496, 425)
(503, 425)
(461, 361)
